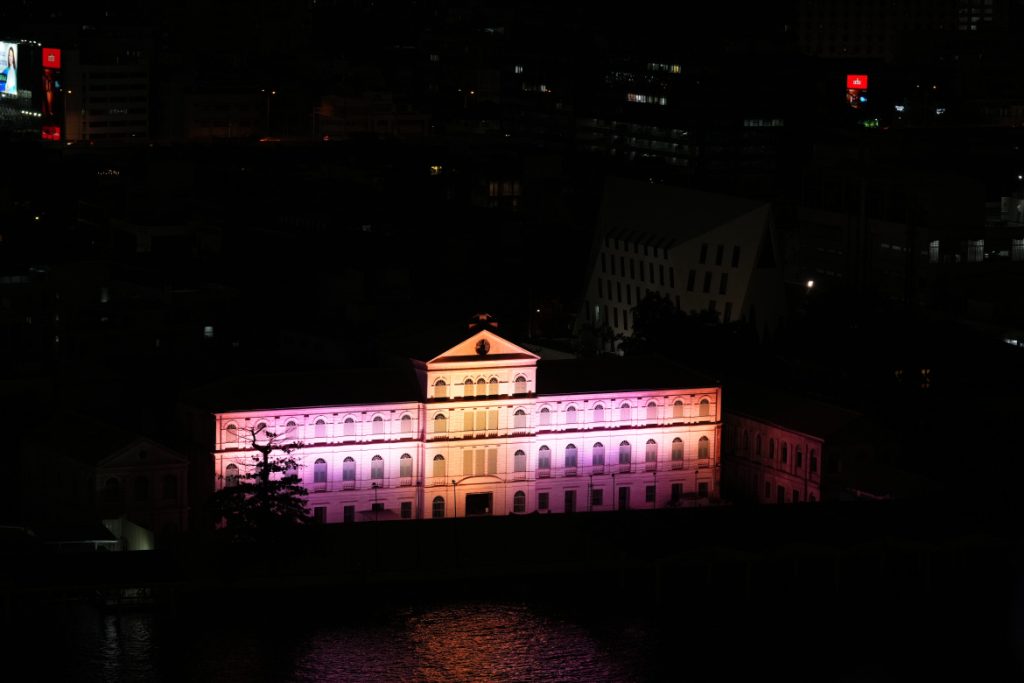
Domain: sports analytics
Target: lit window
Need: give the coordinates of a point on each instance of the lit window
(544, 458)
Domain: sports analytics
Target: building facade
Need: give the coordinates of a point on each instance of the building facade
(497, 431)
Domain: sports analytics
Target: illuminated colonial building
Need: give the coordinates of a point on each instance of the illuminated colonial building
(489, 428)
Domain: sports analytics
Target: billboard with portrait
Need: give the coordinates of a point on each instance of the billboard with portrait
(9, 68)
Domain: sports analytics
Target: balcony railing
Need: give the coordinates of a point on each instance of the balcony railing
(405, 481)
(570, 471)
(624, 467)
(543, 474)
(519, 476)
(651, 466)
(597, 469)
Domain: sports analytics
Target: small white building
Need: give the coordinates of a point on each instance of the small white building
(487, 428)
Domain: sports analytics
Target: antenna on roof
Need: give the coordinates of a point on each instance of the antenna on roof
(482, 321)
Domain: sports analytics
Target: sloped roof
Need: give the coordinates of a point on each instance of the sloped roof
(789, 411)
(664, 215)
(615, 374)
(309, 389)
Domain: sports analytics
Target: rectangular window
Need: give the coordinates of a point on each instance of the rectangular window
(597, 497)
(703, 254)
(736, 257)
(649, 494)
(600, 289)
(707, 283)
(320, 514)
(570, 501)
(677, 492)
(781, 494)
(603, 263)
(629, 296)
(622, 266)
(349, 514)
(727, 315)
(650, 271)
(767, 490)
(723, 284)
(796, 496)
(618, 292)
(492, 461)
(615, 317)
(632, 270)
(702, 489)
(542, 501)
(661, 275)
(691, 280)
(719, 254)
(377, 507)
(814, 464)
(671, 277)
(407, 509)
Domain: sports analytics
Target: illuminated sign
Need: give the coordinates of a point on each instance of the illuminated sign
(857, 82)
(9, 68)
(51, 133)
(51, 58)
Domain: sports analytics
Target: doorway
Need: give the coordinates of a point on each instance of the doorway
(478, 504)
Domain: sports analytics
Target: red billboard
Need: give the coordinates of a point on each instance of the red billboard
(51, 58)
(856, 82)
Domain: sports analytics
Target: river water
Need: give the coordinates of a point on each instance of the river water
(487, 641)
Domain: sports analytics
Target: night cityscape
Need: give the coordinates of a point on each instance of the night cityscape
(439, 340)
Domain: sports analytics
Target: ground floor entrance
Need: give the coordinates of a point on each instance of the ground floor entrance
(479, 504)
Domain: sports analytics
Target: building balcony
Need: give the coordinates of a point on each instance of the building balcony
(438, 481)
(570, 472)
(677, 464)
(348, 484)
(625, 467)
(405, 481)
(651, 466)
(319, 486)
(597, 469)
(543, 473)
(519, 476)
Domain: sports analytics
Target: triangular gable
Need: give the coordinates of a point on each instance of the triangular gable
(494, 346)
(128, 456)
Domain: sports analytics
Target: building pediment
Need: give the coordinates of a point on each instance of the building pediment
(142, 453)
(483, 347)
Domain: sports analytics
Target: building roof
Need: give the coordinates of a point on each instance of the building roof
(789, 411)
(310, 389)
(615, 374)
(665, 215)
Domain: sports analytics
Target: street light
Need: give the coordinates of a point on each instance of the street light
(455, 501)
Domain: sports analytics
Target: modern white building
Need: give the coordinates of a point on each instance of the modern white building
(703, 251)
(488, 428)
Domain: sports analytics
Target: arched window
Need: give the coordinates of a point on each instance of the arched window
(438, 465)
(405, 465)
(570, 415)
(799, 455)
(519, 419)
(406, 424)
(291, 430)
(677, 451)
(519, 461)
(651, 451)
(624, 412)
(378, 425)
(704, 408)
(492, 387)
(376, 467)
(771, 449)
(170, 487)
(652, 411)
(784, 452)
(677, 409)
(481, 387)
(597, 455)
(437, 509)
(519, 502)
(348, 469)
(231, 435)
(757, 445)
(440, 389)
(468, 387)
(320, 429)
(544, 458)
(320, 474)
(625, 453)
(349, 426)
(261, 428)
(142, 488)
(230, 475)
(570, 456)
(545, 416)
(520, 384)
(599, 413)
(703, 447)
(440, 424)
(814, 462)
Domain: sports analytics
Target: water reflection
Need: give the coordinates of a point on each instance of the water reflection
(462, 643)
